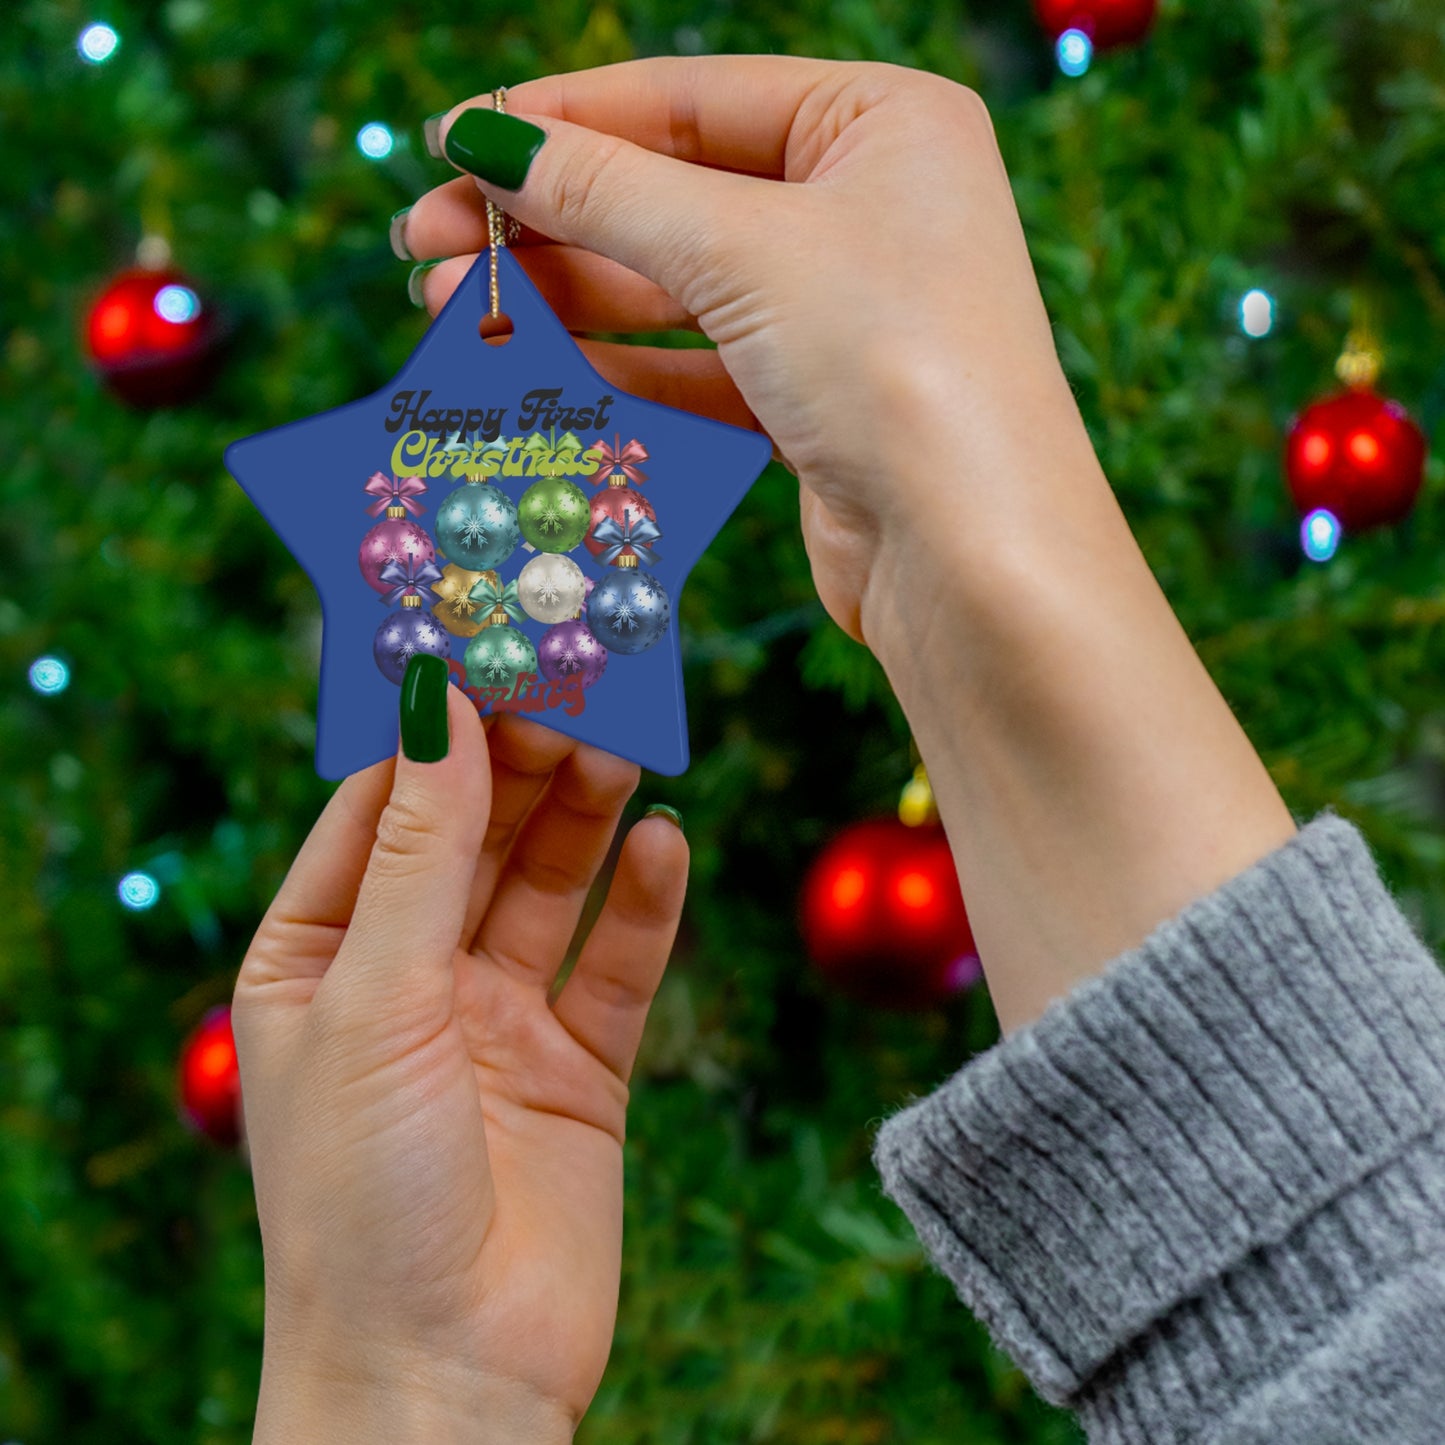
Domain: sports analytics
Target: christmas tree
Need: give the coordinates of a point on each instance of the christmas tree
(1212, 213)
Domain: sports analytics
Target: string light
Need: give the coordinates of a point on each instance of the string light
(97, 43)
(49, 675)
(375, 141)
(1320, 535)
(138, 891)
(1256, 313)
(1075, 52)
(177, 304)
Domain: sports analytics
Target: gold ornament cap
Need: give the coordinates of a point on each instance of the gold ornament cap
(627, 559)
(396, 513)
(916, 805)
(412, 599)
(1360, 362)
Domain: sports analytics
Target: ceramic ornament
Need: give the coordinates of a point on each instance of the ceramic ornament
(475, 452)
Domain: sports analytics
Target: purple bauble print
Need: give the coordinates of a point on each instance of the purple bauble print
(392, 540)
(570, 648)
(408, 630)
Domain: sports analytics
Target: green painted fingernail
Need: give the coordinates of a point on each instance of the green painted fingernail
(499, 148)
(414, 287)
(431, 133)
(398, 235)
(425, 736)
(661, 810)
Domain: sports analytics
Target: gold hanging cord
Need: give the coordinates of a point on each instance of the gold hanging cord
(501, 228)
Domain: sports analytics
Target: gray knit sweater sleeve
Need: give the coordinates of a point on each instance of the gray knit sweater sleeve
(1202, 1199)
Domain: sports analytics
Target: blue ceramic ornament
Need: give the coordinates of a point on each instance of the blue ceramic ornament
(511, 416)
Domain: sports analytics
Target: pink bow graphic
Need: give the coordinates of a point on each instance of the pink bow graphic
(624, 459)
(398, 493)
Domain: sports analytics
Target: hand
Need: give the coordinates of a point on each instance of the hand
(437, 1149)
(881, 300)
(848, 237)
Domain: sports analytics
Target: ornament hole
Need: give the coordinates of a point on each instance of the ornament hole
(496, 330)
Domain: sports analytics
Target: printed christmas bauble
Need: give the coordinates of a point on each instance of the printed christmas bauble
(406, 631)
(454, 607)
(551, 588)
(394, 539)
(497, 656)
(554, 514)
(628, 610)
(569, 649)
(883, 916)
(616, 503)
(1357, 455)
(477, 526)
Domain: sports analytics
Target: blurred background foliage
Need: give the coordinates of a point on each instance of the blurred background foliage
(770, 1292)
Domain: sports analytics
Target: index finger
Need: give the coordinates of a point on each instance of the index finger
(734, 112)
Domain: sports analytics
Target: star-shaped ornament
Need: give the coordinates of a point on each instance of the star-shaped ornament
(354, 493)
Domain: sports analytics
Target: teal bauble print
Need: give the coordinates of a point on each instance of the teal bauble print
(476, 527)
(497, 656)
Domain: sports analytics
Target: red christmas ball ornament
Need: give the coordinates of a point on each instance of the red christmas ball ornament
(1357, 455)
(152, 338)
(1107, 23)
(613, 502)
(883, 916)
(210, 1080)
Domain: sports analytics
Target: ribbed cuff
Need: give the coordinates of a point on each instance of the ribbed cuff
(1179, 1145)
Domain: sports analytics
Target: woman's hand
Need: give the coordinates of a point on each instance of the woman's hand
(437, 1148)
(879, 318)
(847, 235)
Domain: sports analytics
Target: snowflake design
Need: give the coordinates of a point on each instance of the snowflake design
(569, 661)
(463, 605)
(551, 518)
(406, 649)
(474, 532)
(548, 593)
(623, 614)
(647, 591)
(495, 670)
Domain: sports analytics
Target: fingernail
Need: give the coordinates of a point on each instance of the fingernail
(425, 736)
(398, 235)
(414, 281)
(499, 148)
(431, 133)
(661, 810)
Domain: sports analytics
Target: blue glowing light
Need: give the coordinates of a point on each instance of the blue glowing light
(49, 675)
(375, 141)
(1320, 535)
(1075, 52)
(138, 891)
(178, 304)
(1256, 313)
(97, 43)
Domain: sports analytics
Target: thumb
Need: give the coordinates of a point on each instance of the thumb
(395, 963)
(671, 221)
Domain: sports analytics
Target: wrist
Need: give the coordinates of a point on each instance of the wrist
(418, 1401)
(982, 517)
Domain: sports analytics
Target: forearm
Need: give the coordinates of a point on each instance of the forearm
(1092, 779)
